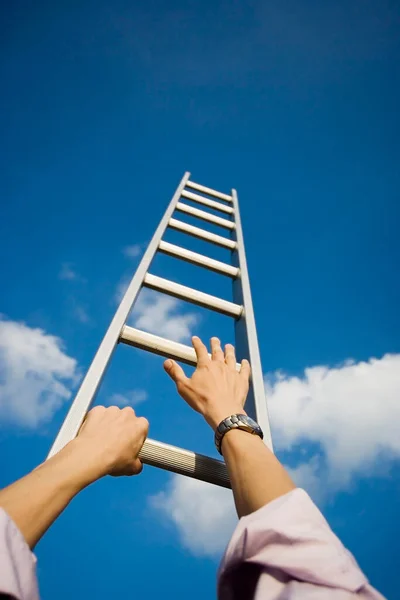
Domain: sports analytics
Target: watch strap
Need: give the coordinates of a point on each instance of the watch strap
(238, 421)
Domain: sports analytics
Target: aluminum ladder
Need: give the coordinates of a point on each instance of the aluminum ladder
(153, 452)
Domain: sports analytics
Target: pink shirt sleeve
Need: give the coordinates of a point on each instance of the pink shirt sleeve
(286, 550)
(17, 563)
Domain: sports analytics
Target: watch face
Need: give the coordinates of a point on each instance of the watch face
(252, 425)
(249, 421)
(238, 421)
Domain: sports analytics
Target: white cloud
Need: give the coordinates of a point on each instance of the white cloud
(160, 314)
(68, 273)
(80, 314)
(130, 398)
(157, 313)
(309, 476)
(342, 423)
(34, 370)
(204, 514)
(132, 251)
(351, 412)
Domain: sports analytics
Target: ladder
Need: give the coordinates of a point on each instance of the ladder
(155, 453)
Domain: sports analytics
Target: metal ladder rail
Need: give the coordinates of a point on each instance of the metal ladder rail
(153, 452)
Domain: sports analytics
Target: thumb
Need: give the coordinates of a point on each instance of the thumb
(174, 370)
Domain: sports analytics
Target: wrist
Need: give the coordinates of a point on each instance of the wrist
(216, 417)
(237, 438)
(75, 466)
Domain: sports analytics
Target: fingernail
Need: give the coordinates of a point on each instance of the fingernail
(168, 364)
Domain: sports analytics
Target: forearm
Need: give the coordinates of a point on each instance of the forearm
(256, 475)
(36, 500)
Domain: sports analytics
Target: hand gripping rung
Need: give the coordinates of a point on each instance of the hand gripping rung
(191, 295)
(198, 259)
(206, 190)
(206, 216)
(184, 462)
(219, 240)
(161, 346)
(207, 202)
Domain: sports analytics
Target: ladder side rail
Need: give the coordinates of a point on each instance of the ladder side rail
(246, 333)
(95, 373)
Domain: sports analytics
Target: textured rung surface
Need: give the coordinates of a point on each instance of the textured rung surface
(207, 202)
(159, 345)
(198, 259)
(206, 216)
(184, 462)
(202, 234)
(209, 191)
(191, 295)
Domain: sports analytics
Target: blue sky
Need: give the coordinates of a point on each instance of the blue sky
(104, 105)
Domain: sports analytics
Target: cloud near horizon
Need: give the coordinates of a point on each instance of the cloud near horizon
(68, 273)
(346, 417)
(132, 251)
(129, 398)
(35, 374)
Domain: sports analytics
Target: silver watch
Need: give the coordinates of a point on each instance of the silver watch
(239, 421)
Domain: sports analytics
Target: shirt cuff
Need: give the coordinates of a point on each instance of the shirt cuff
(290, 535)
(18, 563)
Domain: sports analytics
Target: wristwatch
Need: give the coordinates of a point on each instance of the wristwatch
(239, 421)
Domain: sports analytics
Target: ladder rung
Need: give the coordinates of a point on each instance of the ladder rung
(220, 240)
(161, 346)
(184, 462)
(207, 202)
(206, 216)
(191, 295)
(206, 190)
(198, 259)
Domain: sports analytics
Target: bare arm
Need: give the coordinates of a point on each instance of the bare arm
(108, 443)
(216, 390)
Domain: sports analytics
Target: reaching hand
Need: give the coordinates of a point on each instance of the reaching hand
(216, 389)
(111, 439)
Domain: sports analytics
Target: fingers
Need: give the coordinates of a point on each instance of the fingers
(143, 424)
(175, 371)
(93, 416)
(133, 467)
(201, 351)
(230, 357)
(245, 370)
(216, 350)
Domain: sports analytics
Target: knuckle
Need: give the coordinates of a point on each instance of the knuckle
(97, 410)
(144, 423)
(181, 385)
(128, 410)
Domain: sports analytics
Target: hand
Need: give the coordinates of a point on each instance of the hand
(215, 390)
(110, 440)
